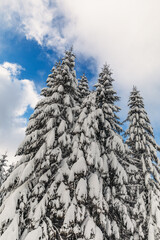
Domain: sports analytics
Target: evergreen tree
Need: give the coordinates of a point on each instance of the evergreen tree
(118, 156)
(83, 87)
(37, 192)
(140, 139)
(98, 171)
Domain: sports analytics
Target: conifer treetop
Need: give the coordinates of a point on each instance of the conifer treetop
(83, 87)
(140, 133)
(107, 97)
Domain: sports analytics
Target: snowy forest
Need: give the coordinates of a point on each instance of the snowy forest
(80, 175)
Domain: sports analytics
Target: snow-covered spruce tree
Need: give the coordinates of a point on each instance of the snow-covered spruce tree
(118, 156)
(38, 195)
(83, 87)
(99, 207)
(141, 141)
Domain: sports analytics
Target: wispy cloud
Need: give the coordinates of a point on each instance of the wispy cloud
(15, 96)
(35, 19)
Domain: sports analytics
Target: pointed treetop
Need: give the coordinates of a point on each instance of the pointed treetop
(71, 49)
(105, 87)
(105, 74)
(83, 87)
(69, 59)
(135, 89)
(105, 94)
(136, 100)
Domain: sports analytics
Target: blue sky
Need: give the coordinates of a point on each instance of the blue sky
(34, 35)
(37, 60)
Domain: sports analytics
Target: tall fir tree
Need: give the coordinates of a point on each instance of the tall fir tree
(118, 156)
(140, 139)
(37, 193)
(98, 165)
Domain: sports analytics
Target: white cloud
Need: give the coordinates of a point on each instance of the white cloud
(124, 33)
(36, 19)
(15, 96)
(13, 68)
